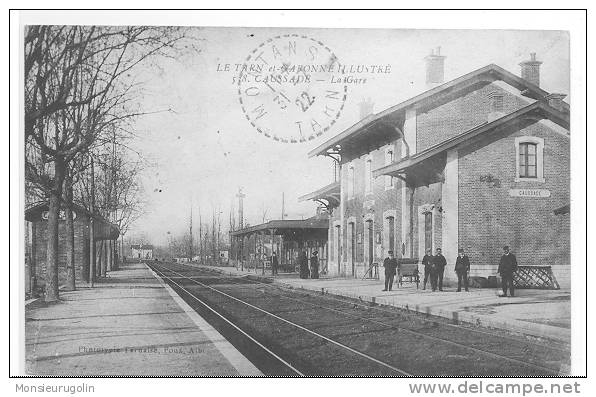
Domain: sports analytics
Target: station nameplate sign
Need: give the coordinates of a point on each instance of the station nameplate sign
(532, 193)
(61, 215)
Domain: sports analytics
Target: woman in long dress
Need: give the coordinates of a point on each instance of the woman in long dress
(314, 265)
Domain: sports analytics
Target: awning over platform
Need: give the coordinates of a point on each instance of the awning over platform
(284, 226)
(104, 230)
(426, 166)
(329, 195)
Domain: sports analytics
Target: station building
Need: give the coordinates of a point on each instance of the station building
(478, 162)
(36, 221)
(252, 246)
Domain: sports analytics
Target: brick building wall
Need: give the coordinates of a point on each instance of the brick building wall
(81, 250)
(490, 218)
(382, 202)
(461, 114)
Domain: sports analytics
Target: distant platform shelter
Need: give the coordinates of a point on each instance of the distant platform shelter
(253, 246)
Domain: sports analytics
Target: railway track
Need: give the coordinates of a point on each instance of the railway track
(298, 330)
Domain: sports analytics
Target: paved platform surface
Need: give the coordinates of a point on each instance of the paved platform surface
(129, 324)
(539, 313)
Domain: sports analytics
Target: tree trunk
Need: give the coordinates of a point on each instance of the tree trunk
(51, 288)
(104, 258)
(70, 255)
(91, 251)
(99, 261)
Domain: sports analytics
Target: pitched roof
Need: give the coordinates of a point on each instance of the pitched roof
(287, 224)
(329, 192)
(454, 87)
(109, 230)
(141, 246)
(534, 111)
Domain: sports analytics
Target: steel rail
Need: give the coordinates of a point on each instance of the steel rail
(357, 352)
(232, 324)
(416, 333)
(407, 314)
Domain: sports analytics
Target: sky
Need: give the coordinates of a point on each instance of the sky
(204, 149)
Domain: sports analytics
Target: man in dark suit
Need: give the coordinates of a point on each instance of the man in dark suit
(427, 261)
(439, 263)
(507, 266)
(274, 264)
(462, 268)
(390, 265)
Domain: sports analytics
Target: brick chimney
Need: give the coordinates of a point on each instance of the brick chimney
(530, 70)
(435, 68)
(366, 108)
(556, 100)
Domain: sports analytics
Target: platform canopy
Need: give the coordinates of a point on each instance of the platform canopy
(104, 230)
(285, 227)
(427, 166)
(329, 196)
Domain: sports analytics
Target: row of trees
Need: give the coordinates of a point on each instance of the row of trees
(82, 91)
(203, 239)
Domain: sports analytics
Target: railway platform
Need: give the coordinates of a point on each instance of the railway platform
(130, 323)
(534, 313)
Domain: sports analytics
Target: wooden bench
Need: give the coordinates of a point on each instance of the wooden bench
(408, 268)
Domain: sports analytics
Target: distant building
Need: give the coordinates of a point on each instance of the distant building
(141, 251)
(253, 245)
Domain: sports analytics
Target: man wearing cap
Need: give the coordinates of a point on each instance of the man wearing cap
(274, 264)
(390, 265)
(427, 261)
(439, 263)
(507, 266)
(462, 268)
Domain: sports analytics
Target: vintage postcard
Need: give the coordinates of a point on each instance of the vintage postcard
(289, 201)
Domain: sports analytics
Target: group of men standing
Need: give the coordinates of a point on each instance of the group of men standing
(302, 261)
(434, 269)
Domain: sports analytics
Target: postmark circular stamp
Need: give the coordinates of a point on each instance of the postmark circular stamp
(288, 88)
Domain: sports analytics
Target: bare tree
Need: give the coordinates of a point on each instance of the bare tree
(78, 83)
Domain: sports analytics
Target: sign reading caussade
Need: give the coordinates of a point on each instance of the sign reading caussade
(536, 193)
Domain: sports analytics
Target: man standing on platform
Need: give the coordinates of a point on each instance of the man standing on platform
(507, 266)
(427, 261)
(274, 264)
(462, 268)
(439, 263)
(390, 265)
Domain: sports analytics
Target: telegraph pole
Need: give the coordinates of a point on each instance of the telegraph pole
(191, 242)
(92, 226)
(240, 196)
